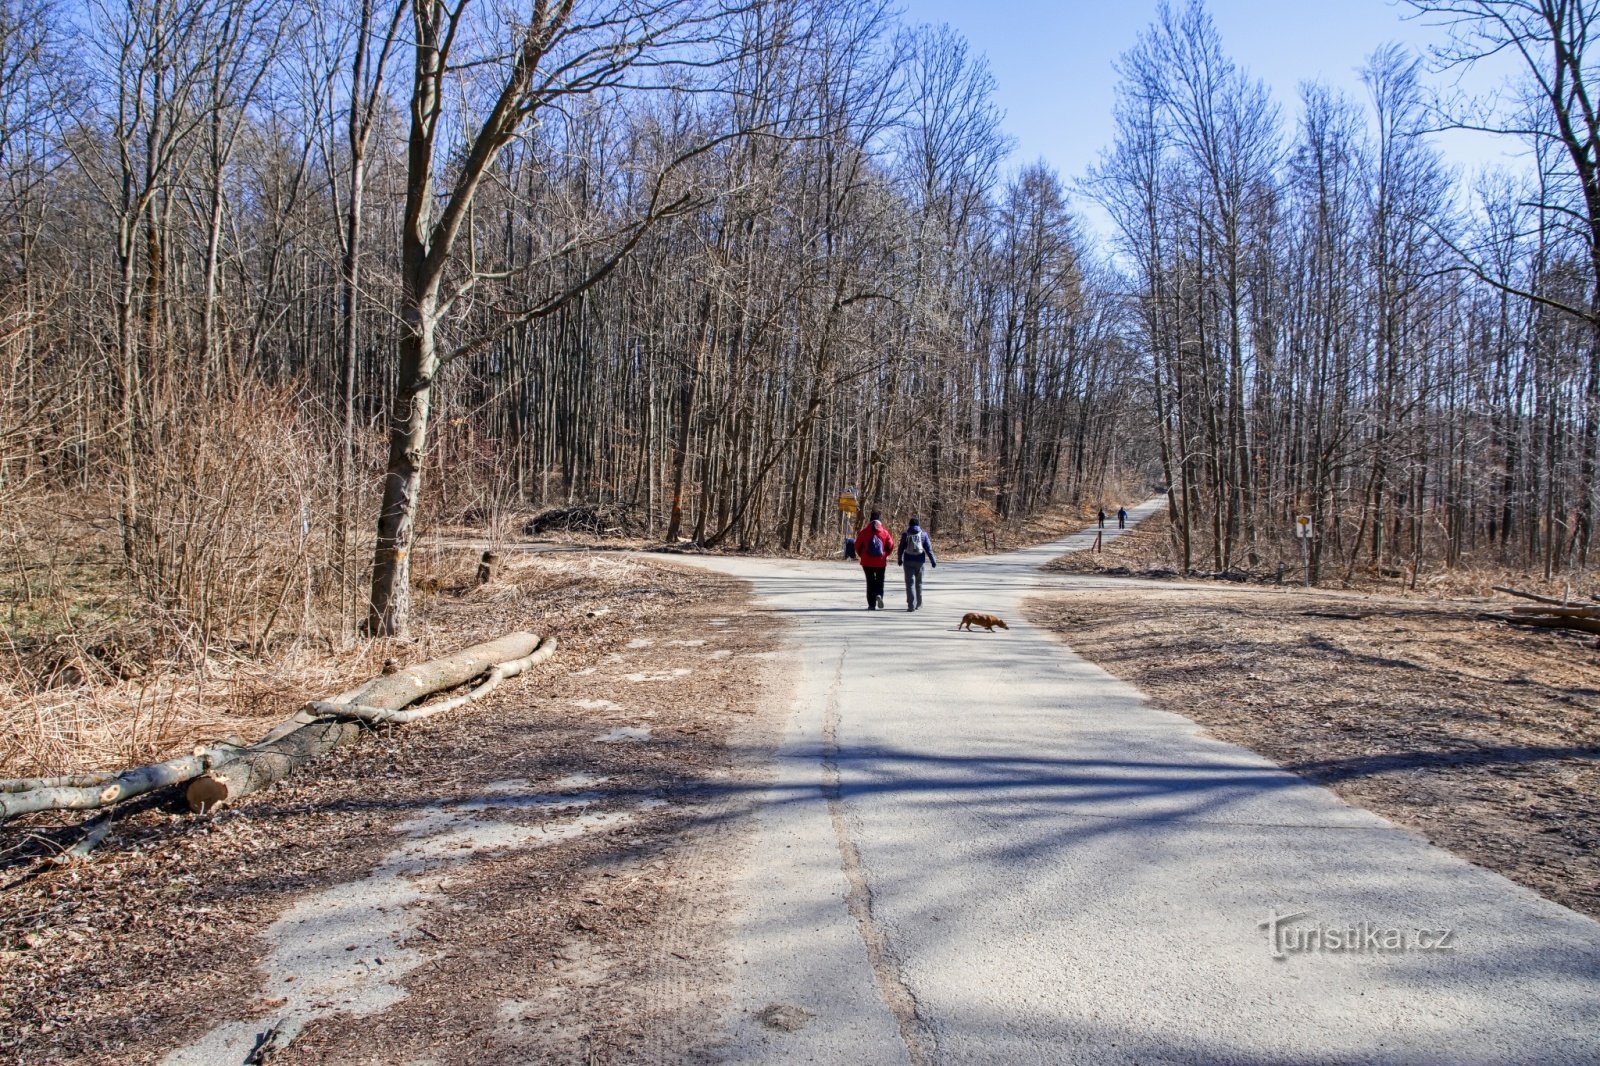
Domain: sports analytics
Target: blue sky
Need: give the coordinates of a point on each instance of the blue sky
(1053, 61)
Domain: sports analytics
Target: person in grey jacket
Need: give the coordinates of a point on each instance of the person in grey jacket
(915, 550)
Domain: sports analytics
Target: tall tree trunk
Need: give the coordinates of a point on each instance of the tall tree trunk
(390, 606)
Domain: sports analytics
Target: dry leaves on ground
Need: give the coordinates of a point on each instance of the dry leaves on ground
(582, 950)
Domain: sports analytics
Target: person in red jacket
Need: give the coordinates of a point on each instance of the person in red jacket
(874, 545)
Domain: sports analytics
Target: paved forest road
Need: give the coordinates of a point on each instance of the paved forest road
(981, 849)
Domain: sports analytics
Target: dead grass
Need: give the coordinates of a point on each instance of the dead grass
(106, 686)
(1483, 737)
(990, 533)
(134, 630)
(166, 705)
(170, 709)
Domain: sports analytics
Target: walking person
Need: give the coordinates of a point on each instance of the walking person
(915, 549)
(873, 545)
(1122, 518)
(1102, 518)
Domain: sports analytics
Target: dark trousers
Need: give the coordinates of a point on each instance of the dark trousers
(913, 585)
(1122, 521)
(874, 584)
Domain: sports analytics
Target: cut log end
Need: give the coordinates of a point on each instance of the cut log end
(206, 793)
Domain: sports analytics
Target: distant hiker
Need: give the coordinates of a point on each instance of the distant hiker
(1102, 518)
(915, 549)
(1122, 518)
(849, 547)
(873, 545)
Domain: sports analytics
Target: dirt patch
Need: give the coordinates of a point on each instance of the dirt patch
(1484, 738)
(535, 894)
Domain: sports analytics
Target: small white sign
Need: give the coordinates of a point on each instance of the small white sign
(1302, 526)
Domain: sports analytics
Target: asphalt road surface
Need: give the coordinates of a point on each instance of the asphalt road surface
(981, 848)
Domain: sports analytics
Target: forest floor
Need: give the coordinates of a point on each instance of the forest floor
(1483, 737)
(531, 878)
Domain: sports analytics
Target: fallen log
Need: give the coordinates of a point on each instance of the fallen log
(375, 715)
(226, 770)
(1557, 612)
(412, 683)
(1534, 596)
(28, 784)
(116, 787)
(321, 727)
(265, 764)
(1581, 625)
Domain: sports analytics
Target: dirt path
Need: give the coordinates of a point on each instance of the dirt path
(1483, 737)
(537, 878)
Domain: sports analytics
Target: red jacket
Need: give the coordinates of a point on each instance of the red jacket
(869, 561)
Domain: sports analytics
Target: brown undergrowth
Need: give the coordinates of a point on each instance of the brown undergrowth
(976, 529)
(985, 532)
(592, 949)
(93, 677)
(1484, 738)
(1147, 552)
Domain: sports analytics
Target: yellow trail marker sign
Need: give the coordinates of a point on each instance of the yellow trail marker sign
(847, 502)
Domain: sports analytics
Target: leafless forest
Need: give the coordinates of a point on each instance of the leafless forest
(1331, 321)
(284, 283)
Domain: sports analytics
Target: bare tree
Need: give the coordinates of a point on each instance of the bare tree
(563, 51)
(1560, 109)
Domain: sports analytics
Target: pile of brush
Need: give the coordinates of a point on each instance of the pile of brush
(1548, 612)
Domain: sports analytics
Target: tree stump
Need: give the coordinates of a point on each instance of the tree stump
(487, 567)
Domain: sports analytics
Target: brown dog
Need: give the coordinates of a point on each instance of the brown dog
(987, 621)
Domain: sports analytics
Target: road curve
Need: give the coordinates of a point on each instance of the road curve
(979, 848)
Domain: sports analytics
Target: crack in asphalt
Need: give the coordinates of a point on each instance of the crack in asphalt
(892, 987)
